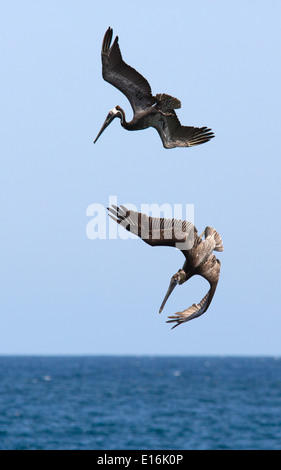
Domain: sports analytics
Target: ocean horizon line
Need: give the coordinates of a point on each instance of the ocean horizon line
(139, 355)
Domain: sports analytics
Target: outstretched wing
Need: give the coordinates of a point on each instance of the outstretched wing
(155, 231)
(130, 82)
(196, 310)
(173, 134)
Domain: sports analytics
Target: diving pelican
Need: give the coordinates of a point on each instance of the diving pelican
(199, 257)
(149, 111)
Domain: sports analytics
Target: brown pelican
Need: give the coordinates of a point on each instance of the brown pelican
(149, 111)
(199, 257)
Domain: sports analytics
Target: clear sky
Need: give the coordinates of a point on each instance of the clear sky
(63, 293)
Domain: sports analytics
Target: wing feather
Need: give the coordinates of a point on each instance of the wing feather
(196, 310)
(116, 72)
(156, 231)
(173, 134)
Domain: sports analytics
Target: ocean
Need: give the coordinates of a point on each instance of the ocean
(140, 403)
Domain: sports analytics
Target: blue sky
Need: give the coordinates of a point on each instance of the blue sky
(62, 293)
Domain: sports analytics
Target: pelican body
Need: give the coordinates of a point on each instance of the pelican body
(198, 252)
(149, 111)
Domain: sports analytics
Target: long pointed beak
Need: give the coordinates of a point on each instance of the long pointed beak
(106, 123)
(172, 285)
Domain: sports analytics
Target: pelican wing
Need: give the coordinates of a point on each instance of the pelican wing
(130, 82)
(156, 231)
(173, 134)
(196, 310)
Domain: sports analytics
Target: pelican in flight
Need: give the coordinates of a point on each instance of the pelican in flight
(149, 111)
(198, 252)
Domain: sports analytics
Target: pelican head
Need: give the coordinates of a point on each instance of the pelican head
(115, 112)
(178, 278)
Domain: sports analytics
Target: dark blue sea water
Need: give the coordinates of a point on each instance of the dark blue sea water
(140, 403)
